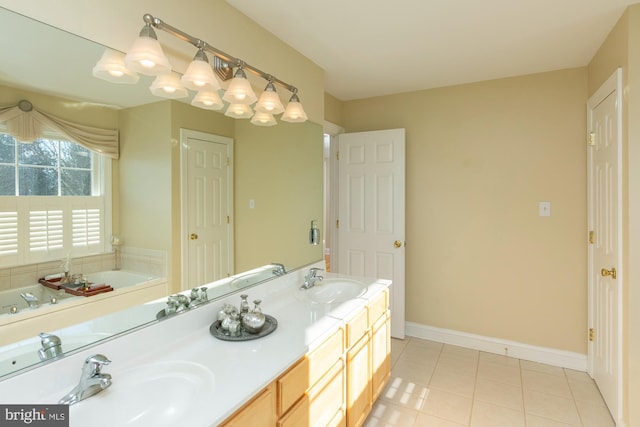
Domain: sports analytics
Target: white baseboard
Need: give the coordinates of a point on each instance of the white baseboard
(549, 356)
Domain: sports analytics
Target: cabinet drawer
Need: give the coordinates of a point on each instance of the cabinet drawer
(378, 306)
(294, 383)
(321, 404)
(357, 326)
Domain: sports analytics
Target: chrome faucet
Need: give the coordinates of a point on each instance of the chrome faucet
(30, 299)
(51, 346)
(92, 381)
(279, 269)
(311, 278)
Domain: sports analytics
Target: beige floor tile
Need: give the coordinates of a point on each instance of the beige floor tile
(587, 391)
(541, 367)
(404, 393)
(463, 365)
(551, 406)
(535, 421)
(506, 374)
(421, 355)
(388, 414)
(489, 415)
(546, 383)
(425, 420)
(594, 415)
(452, 381)
(413, 371)
(498, 359)
(509, 396)
(460, 352)
(574, 376)
(449, 406)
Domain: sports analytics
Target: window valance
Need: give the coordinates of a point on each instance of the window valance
(26, 125)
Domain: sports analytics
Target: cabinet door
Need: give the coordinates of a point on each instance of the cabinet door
(358, 382)
(380, 354)
(260, 412)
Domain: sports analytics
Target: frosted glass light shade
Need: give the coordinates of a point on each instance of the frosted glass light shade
(111, 68)
(263, 119)
(239, 111)
(269, 101)
(199, 75)
(294, 112)
(239, 90)
(168, 86)
(208, 100)
(146, 56)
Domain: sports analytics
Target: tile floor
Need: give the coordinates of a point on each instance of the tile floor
(439, 385)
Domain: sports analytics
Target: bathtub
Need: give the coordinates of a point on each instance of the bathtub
(11, 298)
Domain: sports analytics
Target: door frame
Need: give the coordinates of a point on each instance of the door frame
(611, 85)
(185, 134)
(333, 131)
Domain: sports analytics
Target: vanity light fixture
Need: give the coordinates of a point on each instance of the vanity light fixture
(269, 101)
(168, 86)
(207, 99)
(199, 75)
(147, 57)
(111, 68)
(239, 111)
(294, 112)
(239, 90)
(263, 119)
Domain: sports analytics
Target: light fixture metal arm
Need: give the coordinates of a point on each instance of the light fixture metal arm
(201, 44)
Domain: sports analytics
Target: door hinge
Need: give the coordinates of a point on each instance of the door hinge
(337, 155)
(591, 139)
(337, 223)
(228, 161)
(227, 219)
(592, 238)
(591, 334)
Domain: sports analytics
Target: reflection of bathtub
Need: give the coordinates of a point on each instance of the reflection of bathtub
(130, 289)
(11, 297)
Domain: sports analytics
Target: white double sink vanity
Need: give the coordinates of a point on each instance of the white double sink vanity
(325, 363)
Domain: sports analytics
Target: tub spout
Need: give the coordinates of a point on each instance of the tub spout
(30, 299)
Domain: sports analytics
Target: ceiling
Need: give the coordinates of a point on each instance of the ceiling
(380, 47)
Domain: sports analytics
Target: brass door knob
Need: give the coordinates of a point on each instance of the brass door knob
(604, 272)
(193, 236)
(397, 244)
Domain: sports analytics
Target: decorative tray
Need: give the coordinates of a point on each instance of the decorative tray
(72, 289)
(270, 325)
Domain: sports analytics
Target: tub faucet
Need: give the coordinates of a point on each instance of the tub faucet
(30, 299)
(51, 346)
(92, 381)
(311, 278)
(278, 269)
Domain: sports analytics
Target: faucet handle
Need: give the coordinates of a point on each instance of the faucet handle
(98, 361)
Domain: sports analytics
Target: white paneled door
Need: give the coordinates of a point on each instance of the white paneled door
(371, 228)
(207, 238)
(605, 273)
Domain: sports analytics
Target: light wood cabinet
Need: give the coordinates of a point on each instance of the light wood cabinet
(335, 384)
(259, 412)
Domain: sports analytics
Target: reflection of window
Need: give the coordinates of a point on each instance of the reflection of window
(46, 167)
(41, 227)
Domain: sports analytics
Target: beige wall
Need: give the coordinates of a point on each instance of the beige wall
(116, 23)
(332, 109)
(479, 159)
(621, 49)
(281, 169)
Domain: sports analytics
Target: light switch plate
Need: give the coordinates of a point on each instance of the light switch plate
(544, 208)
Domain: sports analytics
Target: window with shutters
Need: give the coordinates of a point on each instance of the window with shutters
(53, 198)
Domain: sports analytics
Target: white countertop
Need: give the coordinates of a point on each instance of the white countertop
(238, 369)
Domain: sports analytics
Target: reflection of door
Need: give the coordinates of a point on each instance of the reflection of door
(605, 284)
(371, 211)
(206, 208)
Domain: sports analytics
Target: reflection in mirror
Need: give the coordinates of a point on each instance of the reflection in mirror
(278, 169)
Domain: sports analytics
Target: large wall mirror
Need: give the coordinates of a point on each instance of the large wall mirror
(277, 174)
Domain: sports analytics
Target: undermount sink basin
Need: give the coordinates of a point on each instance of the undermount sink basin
(332, 290)
(157, 394)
